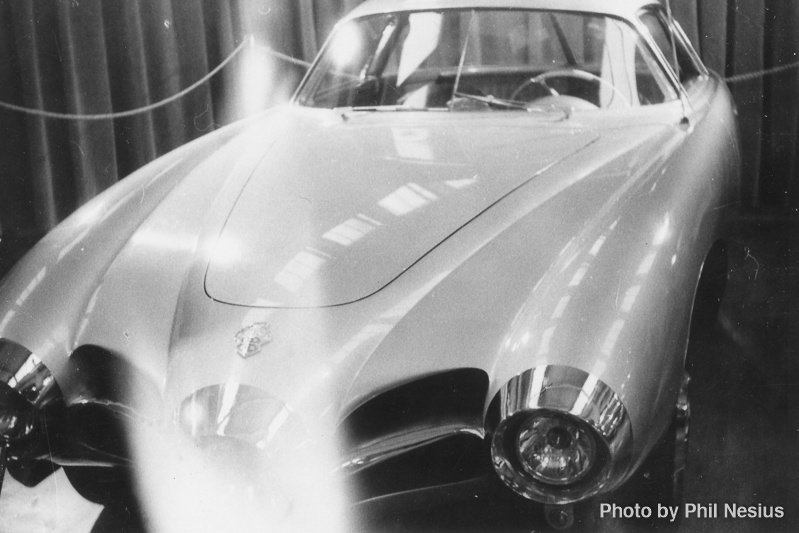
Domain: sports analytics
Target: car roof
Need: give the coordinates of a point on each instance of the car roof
(625, 9)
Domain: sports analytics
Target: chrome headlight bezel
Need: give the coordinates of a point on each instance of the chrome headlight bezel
(580, 401)
(27, 389)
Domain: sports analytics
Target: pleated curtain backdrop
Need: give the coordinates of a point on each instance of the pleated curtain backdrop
(102, 56)
(93, 57)
(741, 36)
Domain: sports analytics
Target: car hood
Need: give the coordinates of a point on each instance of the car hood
(504, 201)
(339, 207)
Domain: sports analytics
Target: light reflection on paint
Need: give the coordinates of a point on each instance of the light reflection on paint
(613, 336)
(7, 319)
(413, 143)
(599, 367)
(597, 245)
(566, 248)
(23, 297)
(570, 260)
(90, 213)
(348, 232)
(297, 271)
(226, 251)
(663, 231)
(413, 298)
(561, 307)
(629, 298)
(87, 314)
(63, 252)
(168, 241)
(368, 332)
(193, 416)
(578, 276)
(546, 338)
(646, 264)
(406, 199)
(461, 184)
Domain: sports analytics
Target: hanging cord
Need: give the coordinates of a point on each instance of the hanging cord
(121, 114)
(761, 73)
(287, 58)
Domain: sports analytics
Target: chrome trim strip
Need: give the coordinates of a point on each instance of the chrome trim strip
(118, 409)
(89, 462)
(575, 394)
(387, 446)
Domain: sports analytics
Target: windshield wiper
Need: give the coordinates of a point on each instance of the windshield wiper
(511, 104)
(367, 108)
(491, 101)
(346, 111)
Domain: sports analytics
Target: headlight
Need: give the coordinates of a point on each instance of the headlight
(27, 388)
(560, 435)
(243, 413)
(555, 450)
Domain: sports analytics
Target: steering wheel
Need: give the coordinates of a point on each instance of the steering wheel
(583, 75)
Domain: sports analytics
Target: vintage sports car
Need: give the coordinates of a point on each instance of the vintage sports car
(466, 255)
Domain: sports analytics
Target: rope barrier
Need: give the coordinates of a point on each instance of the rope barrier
(122, 114)
(289, 59)
(156, 105)
(761, 73)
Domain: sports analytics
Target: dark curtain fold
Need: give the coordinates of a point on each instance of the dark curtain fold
(88, 90)
(742, 36)
(95, 57)
(778, 170)
(129, 79)
(745, 54)
(98, 56)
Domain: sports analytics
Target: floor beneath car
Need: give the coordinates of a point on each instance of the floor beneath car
(744, 429)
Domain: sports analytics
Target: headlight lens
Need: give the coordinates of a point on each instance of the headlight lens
(27, 388)
(555, 450)
(560, 435)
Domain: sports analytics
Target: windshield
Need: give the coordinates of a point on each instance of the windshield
(467, 60)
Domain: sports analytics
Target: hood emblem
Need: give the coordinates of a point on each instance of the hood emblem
(251, 339)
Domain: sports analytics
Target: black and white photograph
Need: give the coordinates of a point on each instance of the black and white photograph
(399, 266)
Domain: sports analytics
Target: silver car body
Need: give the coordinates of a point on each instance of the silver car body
(390, 247)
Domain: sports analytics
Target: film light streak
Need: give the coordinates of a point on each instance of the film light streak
(229, 485)
(185, 488)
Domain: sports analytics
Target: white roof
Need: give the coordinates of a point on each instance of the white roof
(625, 9)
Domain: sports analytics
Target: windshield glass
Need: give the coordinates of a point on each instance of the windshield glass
(465, 60)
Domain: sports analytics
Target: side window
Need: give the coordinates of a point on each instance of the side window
(686, 66)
